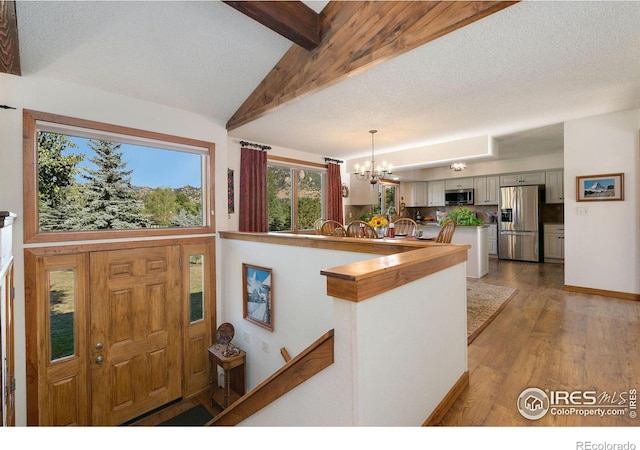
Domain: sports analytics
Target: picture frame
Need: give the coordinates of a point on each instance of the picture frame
(257, 295)
(598, 188)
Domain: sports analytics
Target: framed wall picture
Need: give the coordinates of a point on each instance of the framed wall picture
(592, 188)
(257, 295)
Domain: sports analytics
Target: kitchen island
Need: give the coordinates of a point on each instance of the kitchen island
(476, 237)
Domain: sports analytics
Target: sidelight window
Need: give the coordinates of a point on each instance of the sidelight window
(196, 288)
(62, 306)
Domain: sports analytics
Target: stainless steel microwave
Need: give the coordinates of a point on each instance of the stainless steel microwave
(458, 197)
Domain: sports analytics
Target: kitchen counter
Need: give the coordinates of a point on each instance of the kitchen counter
(476, 237)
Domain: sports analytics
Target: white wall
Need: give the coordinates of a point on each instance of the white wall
(29, 92)
(602, 248)
(397, 354)
(302, 310)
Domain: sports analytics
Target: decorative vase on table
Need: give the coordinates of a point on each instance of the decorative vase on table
(380, 224)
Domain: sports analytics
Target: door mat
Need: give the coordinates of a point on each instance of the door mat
(484, 303)
(194, 417)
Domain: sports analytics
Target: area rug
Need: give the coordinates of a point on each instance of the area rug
(194, 417)
(484, 303)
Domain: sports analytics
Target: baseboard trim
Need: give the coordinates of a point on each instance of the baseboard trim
(438, 414)
(602, 292)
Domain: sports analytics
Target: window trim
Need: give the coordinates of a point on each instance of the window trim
(30, 180)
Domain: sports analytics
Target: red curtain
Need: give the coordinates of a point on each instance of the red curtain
(253, 190)
(334, 193)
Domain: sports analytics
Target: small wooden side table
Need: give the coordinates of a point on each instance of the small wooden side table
(234, 376)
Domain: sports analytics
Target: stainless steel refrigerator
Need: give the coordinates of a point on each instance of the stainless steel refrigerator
(519, 223)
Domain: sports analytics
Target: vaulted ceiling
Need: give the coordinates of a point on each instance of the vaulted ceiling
(524, 67)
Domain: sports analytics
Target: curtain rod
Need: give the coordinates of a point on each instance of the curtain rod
(333, 160)
(251, 144)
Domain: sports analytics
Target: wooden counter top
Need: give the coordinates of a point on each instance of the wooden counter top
(403, 260)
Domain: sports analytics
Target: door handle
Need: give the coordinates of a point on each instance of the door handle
(99, 346)
(99, 360)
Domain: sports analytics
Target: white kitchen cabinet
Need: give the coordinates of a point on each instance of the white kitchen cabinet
(458, 183)
(553, 242)
(435, 193)
(492, 238)
(486, 190)
(414, 194)
(363, 192)
(522, 179)
(554, 186)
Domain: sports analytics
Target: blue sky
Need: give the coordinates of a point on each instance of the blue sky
(151, 167)
(604, 182)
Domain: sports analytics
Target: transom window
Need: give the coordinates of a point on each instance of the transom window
(92, 178)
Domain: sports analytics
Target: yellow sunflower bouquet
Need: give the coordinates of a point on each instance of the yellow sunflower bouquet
(379, 221)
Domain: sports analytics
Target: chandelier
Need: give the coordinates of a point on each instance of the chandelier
(369, 171)
(458, 166)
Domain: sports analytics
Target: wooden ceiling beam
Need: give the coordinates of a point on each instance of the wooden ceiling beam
(292, 19)
(357, 36)
(9, 51)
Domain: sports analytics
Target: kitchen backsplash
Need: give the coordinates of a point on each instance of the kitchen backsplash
(551, 213)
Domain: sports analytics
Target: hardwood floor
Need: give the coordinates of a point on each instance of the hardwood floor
(552, 340)
(545, 338)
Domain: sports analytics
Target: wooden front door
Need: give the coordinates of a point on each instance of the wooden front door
(135, 340)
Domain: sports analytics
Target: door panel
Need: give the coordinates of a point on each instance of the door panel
(521, 246)
(57, 342)
(199, 315)
(135, 332)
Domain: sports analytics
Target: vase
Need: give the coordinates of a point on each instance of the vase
(381, 231)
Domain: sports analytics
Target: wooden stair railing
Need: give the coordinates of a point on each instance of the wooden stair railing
(285, 354)
(312, 360)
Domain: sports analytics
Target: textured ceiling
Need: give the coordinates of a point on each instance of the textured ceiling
(529, 66)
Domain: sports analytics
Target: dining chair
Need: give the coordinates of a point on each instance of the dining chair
(317, 225)
(332, 228)
(361, 229)
(446, 232)
(405, 226)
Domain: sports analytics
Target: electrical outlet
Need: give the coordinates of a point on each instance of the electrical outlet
(582, 211)
(247, 337)
(265, 346)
